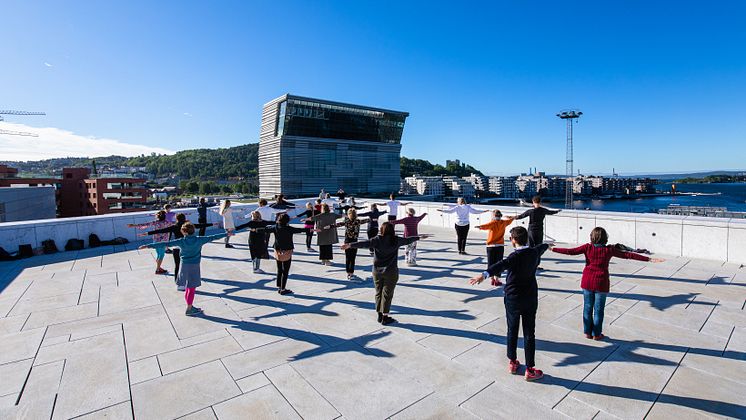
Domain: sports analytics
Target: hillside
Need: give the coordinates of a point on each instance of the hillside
(209, 164)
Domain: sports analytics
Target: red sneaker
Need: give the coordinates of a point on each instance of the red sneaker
(161, 271)
(533, 374)
(599, 337)
(588, 336)
(513, 366)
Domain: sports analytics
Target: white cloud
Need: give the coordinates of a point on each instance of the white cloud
(55, 143)
(188, 114)
(47, 64)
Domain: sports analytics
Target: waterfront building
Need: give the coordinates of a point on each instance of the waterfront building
(79, 194)
(480, 182)
(526, 186)
(27, 203)
(457, 187)
(503, 186)
(308, 144)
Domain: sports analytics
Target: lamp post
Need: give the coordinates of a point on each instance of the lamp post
(569, 115)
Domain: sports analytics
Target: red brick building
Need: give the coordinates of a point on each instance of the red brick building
(79, 195)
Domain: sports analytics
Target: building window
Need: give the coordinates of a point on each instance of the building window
(280, 124)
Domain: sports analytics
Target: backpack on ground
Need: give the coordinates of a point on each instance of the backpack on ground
(49, 246)
(93, 241)
(5, 256)
(25, 251)
(74, 245)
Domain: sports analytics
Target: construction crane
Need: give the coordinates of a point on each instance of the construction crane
(569, 115)
(18, 133)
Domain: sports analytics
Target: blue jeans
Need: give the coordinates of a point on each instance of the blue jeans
(593, 312)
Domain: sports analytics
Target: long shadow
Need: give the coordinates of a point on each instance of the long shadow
(320, 340)
(658, 278)
(578, 353)
(287, 307)
(714, 407)
(660, 303)
(476, 294)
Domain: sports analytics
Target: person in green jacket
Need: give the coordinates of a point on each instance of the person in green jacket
(191, 254)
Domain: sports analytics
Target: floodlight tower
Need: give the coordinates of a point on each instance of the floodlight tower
(569, 115)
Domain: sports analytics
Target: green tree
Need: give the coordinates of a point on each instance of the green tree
(192, 187)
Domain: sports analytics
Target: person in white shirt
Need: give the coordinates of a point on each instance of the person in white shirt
(226, 211)
(462, 211)
(393, 205)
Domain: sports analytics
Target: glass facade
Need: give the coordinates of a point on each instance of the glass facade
(320, 120)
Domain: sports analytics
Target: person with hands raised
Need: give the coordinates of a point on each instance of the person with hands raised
(521, 298)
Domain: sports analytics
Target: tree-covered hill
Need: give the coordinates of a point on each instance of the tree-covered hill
(238, 162)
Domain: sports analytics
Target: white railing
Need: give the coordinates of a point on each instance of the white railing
(687, 236)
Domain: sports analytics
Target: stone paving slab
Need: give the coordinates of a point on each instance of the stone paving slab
(96, 334)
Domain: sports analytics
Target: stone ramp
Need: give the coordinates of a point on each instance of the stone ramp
(95, 334)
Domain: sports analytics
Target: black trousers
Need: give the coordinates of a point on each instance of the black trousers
(517, 311)
(535, 238)
(350, 255)
(202, 230)
(283, 269)
(461, 233)
(326, 252)
(309, 237)
(494, 254)
(176, 252)
(372, 232)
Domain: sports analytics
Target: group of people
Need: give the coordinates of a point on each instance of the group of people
(520, 288)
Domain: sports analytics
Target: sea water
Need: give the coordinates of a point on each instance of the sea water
(731, 196)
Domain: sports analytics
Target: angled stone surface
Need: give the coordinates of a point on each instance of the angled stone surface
(84, 327)
(207, 384)
(263, 403)
(300, 394)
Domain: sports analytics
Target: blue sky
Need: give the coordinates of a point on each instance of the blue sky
(661, 83)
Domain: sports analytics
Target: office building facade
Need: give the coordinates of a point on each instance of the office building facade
(78, 194)
(308, 144)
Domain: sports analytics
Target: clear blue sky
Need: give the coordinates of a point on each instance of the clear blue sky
(662, 84)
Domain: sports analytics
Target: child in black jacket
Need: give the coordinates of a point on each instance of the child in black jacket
(521, 297)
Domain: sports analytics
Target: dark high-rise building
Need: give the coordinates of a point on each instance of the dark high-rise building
(308, 144)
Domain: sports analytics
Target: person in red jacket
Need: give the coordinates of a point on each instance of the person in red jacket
(595, 280)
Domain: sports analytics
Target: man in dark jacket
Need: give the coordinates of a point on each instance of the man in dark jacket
(521, 297)
(536, 217)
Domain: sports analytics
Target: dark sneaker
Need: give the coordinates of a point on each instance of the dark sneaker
(380, 317)
(599, 337)
(588, 336)
(193, 311)
(229, 246)
(533, 374)
(161, 271)
(513, 366)
(387, 320)
(286, 292)
(310, 250)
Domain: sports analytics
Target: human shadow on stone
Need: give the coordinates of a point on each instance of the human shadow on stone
(720, 408)
(660, 303)
(324, 343)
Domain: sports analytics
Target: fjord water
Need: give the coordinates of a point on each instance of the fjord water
(732, 196)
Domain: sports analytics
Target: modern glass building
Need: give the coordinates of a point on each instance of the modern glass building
(308, 144)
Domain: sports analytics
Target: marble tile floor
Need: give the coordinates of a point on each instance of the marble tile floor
(96, 334)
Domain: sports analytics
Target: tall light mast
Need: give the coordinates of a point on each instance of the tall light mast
(569, 115)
